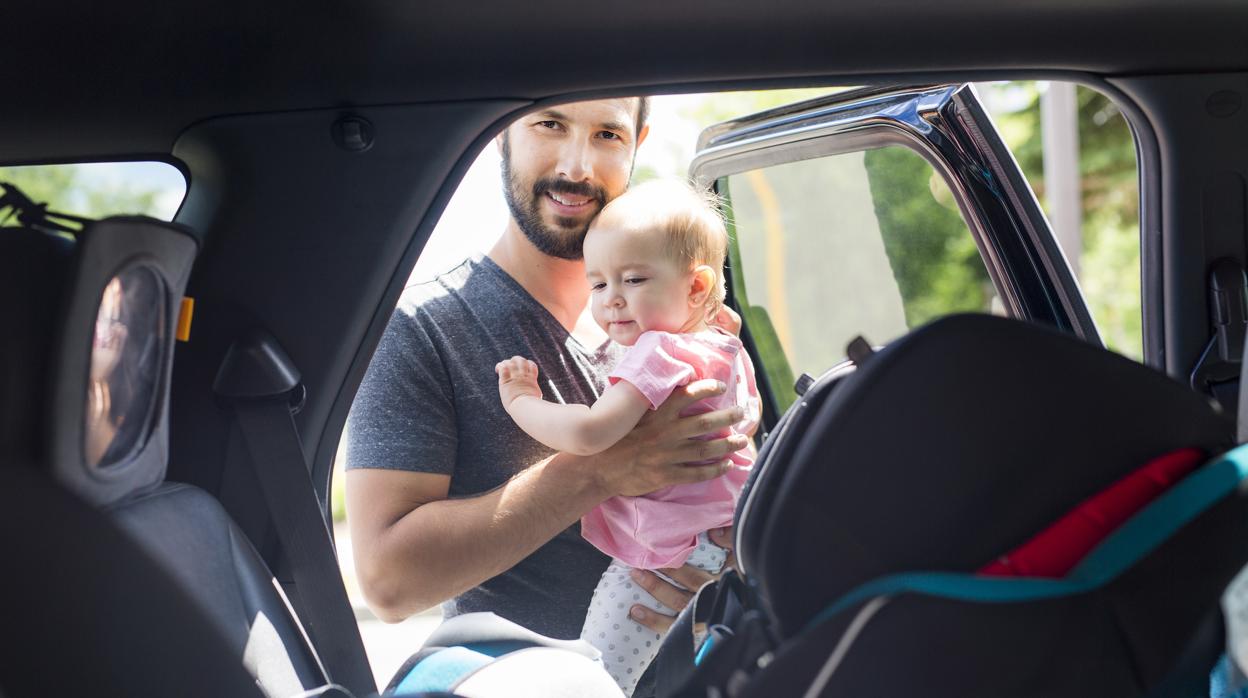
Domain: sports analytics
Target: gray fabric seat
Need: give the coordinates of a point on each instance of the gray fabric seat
(192, 536)
(88, 612)
(188, 550)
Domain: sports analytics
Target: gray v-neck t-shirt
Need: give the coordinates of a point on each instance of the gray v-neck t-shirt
(429, 403)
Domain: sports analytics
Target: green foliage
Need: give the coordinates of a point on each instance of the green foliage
(755, 319)
(644, 173)
(338, 490)
(723, 106)
(42, 184)
(1110, 266)
(934, 258)
(70, 189)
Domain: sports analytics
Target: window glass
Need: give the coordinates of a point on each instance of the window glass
(864, 243)
(125, 366)
(98, 189)
(1076, 149)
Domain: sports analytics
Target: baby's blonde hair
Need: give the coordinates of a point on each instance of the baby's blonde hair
(688, 218)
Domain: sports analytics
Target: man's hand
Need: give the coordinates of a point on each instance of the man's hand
(673, 596)
(517, 377)
(658, 451)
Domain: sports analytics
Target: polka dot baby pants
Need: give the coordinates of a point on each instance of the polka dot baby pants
(627, 646)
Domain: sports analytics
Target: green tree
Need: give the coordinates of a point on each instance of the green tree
(939, 271)
(931, 251)
(724, 106)
(1110, 267)
(69, 189)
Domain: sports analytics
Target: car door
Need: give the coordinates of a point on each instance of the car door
(870, 212)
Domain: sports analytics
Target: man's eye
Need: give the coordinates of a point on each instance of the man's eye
(549, 124)
(608, 135)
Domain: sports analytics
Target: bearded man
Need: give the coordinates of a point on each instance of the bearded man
(448, 501)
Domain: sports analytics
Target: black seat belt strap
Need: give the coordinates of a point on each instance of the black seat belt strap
(257, 379)
(1217, 372)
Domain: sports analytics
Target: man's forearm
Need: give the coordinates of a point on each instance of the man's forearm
(445, 547)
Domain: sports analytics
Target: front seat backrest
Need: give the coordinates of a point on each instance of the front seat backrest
(88, 612)
(107, 438)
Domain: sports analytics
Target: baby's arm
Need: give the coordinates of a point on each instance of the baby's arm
(576, 429)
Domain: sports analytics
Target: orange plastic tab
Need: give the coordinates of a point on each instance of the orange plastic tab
(184, 319)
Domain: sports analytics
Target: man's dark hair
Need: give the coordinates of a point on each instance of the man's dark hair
(643, 112)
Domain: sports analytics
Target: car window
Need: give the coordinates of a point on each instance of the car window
(1078, 153)
(99, 189)
(122, 390)
(864, 243)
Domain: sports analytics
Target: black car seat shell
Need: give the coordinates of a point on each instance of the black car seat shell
(1018, 424)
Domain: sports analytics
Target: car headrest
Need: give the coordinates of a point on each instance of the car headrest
(87, 362)
(109, 423)
(952, 446)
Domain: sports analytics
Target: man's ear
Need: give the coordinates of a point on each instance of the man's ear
(500, 140)
(701, 285)
(641, 135)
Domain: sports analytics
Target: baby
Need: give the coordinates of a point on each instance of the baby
(654, 259)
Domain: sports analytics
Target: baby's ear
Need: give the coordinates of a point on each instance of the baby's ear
(701, 285)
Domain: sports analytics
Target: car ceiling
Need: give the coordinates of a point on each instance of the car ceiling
(131, 75)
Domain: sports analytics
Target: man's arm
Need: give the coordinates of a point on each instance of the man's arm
(415, 548)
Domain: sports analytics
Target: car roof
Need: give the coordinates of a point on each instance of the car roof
(130, 76)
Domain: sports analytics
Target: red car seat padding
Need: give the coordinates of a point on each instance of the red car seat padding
(1057, 549)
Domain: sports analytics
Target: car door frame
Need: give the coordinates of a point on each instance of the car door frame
(948, 127)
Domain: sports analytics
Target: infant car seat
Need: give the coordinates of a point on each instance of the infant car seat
(884, 490)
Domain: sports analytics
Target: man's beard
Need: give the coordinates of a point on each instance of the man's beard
(568, 241)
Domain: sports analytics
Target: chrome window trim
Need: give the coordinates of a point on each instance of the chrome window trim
(942, 124)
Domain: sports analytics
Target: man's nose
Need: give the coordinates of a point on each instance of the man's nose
(574, 161)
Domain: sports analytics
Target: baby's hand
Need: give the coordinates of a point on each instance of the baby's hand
(517, 376)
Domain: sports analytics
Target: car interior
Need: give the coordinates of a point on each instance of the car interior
(181, 547)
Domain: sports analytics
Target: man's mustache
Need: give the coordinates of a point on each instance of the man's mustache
(562, 186)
